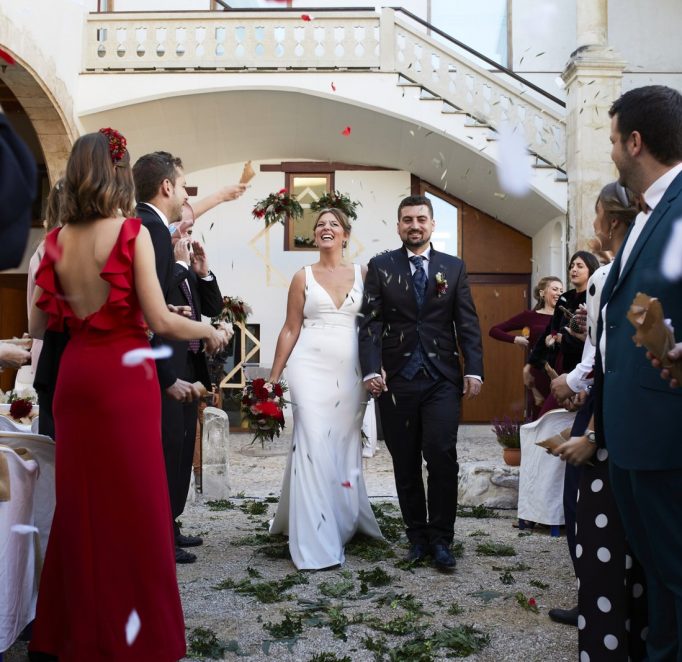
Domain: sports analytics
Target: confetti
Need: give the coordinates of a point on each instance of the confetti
(23, 528)
(306, 17)
(333, 87)
(137, 356)
(346, 131)
(132, 627)
(346, 483)
(513, 167)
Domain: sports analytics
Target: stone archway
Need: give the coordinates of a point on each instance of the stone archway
(54, 132)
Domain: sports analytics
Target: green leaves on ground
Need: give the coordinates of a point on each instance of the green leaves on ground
(266, 592)
(479, 512)
(495, 549)
(204, 643)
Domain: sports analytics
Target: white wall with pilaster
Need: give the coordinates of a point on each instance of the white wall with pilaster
(549, 251)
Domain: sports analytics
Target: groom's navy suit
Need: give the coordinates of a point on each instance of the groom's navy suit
(420, 414)
(642, 424)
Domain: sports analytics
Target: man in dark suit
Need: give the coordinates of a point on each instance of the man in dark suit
(17, 192)
(161, 194)
(417, 311)
(640, 413)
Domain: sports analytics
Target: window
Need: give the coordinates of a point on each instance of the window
(480, 25)
(446, 213)
(307, 188)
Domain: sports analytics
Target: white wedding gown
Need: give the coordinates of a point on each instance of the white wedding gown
(324, 499)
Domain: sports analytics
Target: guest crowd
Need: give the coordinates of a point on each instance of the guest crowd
(117, 292)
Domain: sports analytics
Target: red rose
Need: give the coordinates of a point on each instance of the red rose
(282, 191)
(269, 408)
(20, 408)
(277, 390)
(532, 602)
(259, 382)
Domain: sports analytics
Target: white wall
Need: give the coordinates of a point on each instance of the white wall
(257, 268)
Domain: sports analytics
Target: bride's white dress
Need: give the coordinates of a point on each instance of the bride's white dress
(324, 499)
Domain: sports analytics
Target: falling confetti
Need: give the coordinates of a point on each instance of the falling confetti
(333, 87)
(137, 356)
(671, 266)
(132, 627)
(23, 528)
(306, 17)
(513, 167)
(346, 131)
(346, 483)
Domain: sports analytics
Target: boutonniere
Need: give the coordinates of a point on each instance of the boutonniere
(441, 284)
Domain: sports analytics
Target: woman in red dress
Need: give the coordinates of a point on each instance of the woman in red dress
(530, 325)
(104, 596)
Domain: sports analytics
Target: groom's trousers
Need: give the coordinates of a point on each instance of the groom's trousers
(420, 418)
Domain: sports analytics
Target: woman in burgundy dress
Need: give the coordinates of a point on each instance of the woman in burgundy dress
(104, 595)
(529, 326)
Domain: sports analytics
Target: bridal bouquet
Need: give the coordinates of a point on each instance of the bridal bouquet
(276, 207)
(262, 406)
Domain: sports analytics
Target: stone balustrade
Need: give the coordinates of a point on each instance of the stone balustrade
(351, 40)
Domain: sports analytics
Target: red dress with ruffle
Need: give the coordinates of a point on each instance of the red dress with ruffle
(111, 551)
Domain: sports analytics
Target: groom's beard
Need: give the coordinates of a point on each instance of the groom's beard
(415, 242)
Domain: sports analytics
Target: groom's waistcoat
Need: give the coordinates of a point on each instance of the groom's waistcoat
(392, 324)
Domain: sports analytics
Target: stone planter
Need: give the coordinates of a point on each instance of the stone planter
(512, 456)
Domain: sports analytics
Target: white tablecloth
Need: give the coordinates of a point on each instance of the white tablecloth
(541, 475)
(32, 502)
(18, 572)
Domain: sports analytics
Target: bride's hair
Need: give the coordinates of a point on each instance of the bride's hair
(338, 215)
(94, 186)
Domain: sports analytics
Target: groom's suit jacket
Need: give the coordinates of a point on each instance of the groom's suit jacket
(642, 415)
(392, 324)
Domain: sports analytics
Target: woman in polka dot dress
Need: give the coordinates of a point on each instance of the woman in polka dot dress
(612, 620)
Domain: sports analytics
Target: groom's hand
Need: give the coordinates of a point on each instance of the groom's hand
(376, 384)
(472, 387)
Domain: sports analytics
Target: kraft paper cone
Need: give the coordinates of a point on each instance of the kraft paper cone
(248, 173)
(201, 388)
(554, 442)
(652, 331)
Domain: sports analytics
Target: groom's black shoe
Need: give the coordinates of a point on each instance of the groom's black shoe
(442, 557)
(418, 552)
(565, 616)
(181, 556)
(188, 541)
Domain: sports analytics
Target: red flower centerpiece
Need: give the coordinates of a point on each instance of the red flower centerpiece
(234, 310)
(20, 408)
(262, 405)
(276, 207)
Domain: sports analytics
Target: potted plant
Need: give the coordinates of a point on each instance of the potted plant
(508, 433)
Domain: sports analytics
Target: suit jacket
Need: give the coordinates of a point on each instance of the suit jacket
(207, 300)
(392, 324)
(641, 413)
(17, 192)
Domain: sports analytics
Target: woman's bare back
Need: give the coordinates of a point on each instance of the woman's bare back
(86, 248)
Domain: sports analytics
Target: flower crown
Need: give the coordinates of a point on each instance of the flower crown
(117, 144)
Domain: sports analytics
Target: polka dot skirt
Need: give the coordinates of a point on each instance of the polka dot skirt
(611, 595)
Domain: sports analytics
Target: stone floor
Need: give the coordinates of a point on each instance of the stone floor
(343, 614)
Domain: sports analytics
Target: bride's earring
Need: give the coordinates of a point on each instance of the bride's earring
(344, 245)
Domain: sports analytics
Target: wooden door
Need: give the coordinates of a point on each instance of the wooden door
(503, 391)
(13, 316)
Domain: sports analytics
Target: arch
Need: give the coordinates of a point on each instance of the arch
(53, 130)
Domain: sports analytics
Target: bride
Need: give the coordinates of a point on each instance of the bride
(324, 500)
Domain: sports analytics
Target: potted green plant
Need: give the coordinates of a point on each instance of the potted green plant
(508, 433)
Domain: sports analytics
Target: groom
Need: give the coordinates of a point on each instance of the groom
(417, 315)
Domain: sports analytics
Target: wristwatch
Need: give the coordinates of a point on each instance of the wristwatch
(591, 436)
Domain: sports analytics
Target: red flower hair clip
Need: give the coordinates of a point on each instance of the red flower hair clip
(117, 144)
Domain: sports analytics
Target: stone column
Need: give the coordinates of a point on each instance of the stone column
(593, 78)
(215, 454)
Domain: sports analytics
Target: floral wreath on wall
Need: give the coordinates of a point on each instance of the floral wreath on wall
(338, 201)
(277, 207)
